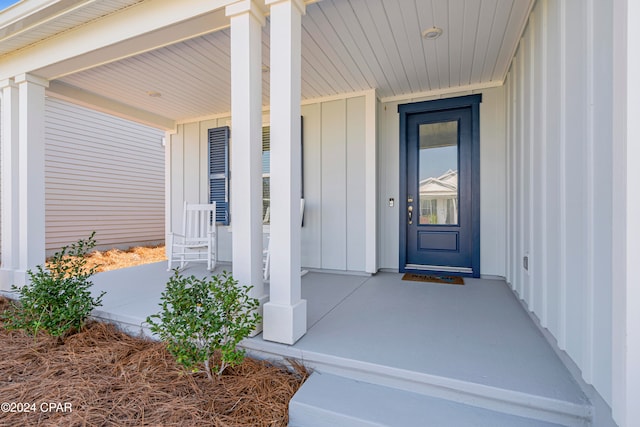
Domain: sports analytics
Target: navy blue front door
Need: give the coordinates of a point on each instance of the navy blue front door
(439, 202)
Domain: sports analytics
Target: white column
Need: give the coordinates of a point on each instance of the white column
(247, 20)
(441, 211)
(9, 203)
(31, 204)
(285, 316)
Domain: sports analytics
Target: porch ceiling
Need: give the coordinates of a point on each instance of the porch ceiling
(347, 46)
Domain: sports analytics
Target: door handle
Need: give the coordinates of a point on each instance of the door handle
(410, 210)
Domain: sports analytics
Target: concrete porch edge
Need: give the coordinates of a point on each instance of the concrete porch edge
(483, 396)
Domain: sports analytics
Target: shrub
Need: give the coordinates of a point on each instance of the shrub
(200, 317)
(57, 299)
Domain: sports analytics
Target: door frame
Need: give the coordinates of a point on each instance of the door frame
(406, 110)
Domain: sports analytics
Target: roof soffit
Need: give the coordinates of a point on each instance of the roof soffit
(347, 46)
(139, 28)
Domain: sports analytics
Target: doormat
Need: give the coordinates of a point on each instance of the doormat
(434, 278)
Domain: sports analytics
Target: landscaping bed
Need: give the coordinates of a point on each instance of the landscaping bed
(113, 259)
(103, 377)
(100, 376)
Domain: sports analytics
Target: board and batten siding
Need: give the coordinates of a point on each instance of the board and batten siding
(492, 180)
(187, 154)
(333, 236)
(102, 174)
(560, 179)
(334, 173)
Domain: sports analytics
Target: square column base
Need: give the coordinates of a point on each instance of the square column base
(9, 278)
(6, 279)
(285, 324)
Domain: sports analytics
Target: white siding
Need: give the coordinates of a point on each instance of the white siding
(560, 178)
(102, 174)
(333, 166)
(333, 236)
(311, 236)
(339, 223)
(492, 182)
(187, 174)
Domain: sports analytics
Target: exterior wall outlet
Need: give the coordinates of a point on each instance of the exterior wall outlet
(525, 262)
(391, 202)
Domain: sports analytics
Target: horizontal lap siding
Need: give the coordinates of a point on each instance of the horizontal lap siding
(102, 174)
(560, 179)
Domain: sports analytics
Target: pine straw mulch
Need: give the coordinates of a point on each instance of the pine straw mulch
(113, 379)
(113, 259)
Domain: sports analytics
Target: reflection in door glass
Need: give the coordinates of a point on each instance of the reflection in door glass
(438, 175)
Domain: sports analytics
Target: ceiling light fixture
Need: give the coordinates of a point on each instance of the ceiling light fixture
(432, 33)
(154, 94)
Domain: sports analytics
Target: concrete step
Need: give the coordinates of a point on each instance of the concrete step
(553, 410)
(332, 400)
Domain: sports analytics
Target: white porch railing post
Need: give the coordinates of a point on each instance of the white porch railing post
(285, 315)
(247, 19)
(9, 203)
(31, 203)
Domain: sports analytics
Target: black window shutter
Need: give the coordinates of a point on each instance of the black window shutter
(219, 172)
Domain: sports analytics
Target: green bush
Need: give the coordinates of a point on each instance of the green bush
(200, 317)
(57, 299)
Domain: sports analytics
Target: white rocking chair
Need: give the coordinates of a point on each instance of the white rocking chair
(266, 254)
(198, 241)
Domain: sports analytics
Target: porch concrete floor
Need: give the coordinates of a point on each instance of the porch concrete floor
(476, 334)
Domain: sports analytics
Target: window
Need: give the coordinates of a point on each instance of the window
(266, 174)
(219, 172)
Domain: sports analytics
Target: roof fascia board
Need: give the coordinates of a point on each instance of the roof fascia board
(137, 29)
(25, 9)
(97, 102)
(26, 15)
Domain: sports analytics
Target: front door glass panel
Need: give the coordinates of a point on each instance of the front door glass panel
(438, 173)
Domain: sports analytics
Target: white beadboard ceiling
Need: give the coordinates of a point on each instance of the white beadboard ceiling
(347, 46)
